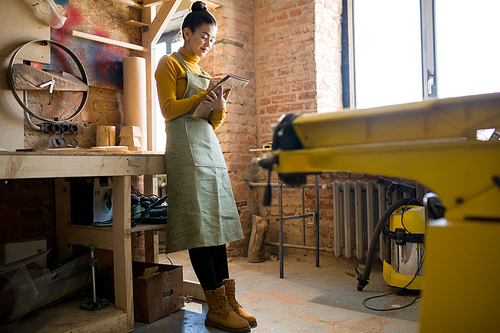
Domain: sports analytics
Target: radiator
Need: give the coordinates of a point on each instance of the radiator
(357, 207)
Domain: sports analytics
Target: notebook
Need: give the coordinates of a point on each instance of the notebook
(230, 81)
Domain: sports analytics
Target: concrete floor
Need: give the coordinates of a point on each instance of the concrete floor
(308, 299)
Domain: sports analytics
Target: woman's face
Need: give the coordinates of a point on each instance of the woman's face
(201, 40)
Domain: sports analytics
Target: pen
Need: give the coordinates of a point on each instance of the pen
(203, 76)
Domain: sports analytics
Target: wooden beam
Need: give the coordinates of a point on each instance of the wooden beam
(131, 3)
(107, 41)
(63, 217)
(85, 235)
(150, 3)
(152, 249)
(33, 165)
(211, 5)
(159, 23)
(122, 248)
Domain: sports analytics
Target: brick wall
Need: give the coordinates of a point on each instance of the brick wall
(284, 61)
(234, 53)
(104, 107)
(328, 35)
(27, 210)
(297, 62)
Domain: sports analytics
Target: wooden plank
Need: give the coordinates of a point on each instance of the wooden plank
(122, 245)
(149, 3)
(147, 227)
(158, 22)
(152, 249)
(68, 317)
(194, 289)
(150, 56)
(63, 217)
(30, 78)
(130, 3)
(105, 40)
(21, 165)
(136, 23)
(85, 235)
(99, 236)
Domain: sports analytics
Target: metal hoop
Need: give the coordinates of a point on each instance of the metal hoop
(78, 63)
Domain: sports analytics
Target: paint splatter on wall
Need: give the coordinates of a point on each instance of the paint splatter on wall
(103, 63)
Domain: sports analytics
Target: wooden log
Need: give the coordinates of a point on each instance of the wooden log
(256, 247)
(30, 78)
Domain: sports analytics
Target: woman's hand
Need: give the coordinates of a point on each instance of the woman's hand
(214, 81)
(217, 100)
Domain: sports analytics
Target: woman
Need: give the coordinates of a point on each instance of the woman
(202, 215)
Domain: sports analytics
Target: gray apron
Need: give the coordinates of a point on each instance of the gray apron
(201, 206)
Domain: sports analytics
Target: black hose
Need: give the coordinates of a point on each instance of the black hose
(363, 280)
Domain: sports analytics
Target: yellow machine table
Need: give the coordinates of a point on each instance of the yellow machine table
(433, 142)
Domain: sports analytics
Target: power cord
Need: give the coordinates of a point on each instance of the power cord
(420, 203)
(395, 292)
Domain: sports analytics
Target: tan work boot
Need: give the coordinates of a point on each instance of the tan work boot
(221, 315)
(231, 297)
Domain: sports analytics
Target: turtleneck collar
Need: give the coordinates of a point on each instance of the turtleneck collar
(188, 56)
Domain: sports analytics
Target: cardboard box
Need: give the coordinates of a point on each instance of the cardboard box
(159, 294)
(14, 250)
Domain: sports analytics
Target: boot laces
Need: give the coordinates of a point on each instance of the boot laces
(231, 296)
(223, 303)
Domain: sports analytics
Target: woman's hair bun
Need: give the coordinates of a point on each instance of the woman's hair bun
(198, 6)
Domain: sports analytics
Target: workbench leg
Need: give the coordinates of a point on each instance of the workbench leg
(152, 248)
(122, 248)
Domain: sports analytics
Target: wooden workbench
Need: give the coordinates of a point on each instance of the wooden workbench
(63, 164)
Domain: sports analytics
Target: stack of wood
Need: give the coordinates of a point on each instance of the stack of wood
(130, 137)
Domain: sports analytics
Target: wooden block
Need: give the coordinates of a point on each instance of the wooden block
(105, 136)
(131, 131)
(130, 141)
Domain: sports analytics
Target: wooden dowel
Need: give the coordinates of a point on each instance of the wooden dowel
(107, 40)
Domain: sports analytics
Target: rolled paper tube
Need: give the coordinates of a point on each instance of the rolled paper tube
(134, 96)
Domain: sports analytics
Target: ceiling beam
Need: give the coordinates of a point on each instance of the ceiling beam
(159, 23)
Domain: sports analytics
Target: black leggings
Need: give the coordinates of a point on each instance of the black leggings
(210, 265)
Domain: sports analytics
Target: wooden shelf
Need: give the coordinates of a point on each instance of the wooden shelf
(68, 317)
(101, 236)
(136, 23)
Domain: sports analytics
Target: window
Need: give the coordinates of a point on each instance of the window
(167, 44)
(406, 51)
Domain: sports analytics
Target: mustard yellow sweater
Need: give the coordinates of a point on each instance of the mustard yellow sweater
(171, 84)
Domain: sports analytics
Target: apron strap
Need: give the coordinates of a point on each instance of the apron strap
(181, 59)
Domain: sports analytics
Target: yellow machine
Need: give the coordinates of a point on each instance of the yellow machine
(406, 231)
(433, 142)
